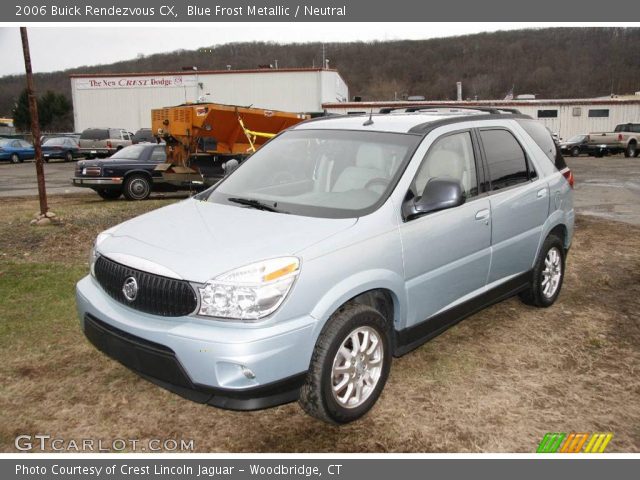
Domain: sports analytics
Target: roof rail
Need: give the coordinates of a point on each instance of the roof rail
(417, 108)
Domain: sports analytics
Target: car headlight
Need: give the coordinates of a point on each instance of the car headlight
(250, 292)
(93, 255)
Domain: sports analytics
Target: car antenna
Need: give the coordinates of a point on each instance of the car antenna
(369, 120)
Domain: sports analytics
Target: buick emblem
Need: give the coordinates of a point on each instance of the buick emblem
(130, 289)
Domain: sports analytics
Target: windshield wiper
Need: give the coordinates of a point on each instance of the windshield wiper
(257, 204)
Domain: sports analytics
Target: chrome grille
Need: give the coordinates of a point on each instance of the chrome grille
(156, 294)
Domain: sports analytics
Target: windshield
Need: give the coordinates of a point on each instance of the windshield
(324, 173)
(577, 139)
(131, 152)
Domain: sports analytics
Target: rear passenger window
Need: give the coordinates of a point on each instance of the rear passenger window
(94, 134)
(505, 158)
(450, 156)
(158, 155)
(539, 133)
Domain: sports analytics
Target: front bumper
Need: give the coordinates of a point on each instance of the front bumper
(97, 181)
(201, 360)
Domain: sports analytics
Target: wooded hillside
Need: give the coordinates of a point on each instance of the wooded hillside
(551, 63)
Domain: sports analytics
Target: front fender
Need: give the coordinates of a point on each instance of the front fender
(357, 284)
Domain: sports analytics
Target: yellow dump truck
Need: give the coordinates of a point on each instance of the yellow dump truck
(201, 137)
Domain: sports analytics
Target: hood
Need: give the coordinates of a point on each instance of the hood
(198, 240)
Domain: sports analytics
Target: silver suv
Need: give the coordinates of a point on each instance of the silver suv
(103, 142)
(338, 245)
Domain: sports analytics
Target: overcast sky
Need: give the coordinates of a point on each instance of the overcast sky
(58, 48)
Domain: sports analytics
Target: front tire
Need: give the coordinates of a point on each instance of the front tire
(631, 150)
(548, 274)
(575, 151)
(349, 366)
(137, 187)
(15, 158)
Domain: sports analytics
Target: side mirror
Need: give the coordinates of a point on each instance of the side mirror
(438, 194)
(229, 166)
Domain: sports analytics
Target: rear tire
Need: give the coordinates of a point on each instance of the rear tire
(548, 274)
(68, 157)
(349, 366)
(108, 194)
(137, 187)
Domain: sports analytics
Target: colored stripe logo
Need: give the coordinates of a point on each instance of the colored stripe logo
(574, 443)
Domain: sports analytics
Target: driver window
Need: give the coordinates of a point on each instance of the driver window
(450, 156)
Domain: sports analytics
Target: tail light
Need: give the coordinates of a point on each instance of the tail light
(568, 174)
(108, 143)
(619, 136)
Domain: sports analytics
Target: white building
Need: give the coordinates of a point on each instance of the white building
(126, 100)
(565, 117)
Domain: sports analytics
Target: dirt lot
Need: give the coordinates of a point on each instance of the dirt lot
(607, 187)
(494, 383)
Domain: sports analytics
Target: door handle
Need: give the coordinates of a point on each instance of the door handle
(542, 192)
(483, 214)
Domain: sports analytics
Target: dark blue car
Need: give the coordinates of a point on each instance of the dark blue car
(65, 148)
(15, 150)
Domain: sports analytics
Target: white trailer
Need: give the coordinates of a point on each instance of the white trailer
(565, 117)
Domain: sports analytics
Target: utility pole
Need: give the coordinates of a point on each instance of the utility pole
(35, 126)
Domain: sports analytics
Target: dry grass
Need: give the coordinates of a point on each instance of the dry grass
(494, 383)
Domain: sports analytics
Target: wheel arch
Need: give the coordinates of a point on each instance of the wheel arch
(382, 290)
(129, 173)
(560, 231)
(557, 225)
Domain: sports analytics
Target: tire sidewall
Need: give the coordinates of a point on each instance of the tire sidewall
(133, 196)
(371, 319)
(15, 158)
(68, 157)
(551, 242)
(575, 151)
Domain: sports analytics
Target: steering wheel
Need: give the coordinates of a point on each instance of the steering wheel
(377, 181)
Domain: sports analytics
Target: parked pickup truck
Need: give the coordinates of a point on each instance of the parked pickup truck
(624, 138)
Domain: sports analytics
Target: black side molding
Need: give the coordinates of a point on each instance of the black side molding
(412, 337)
